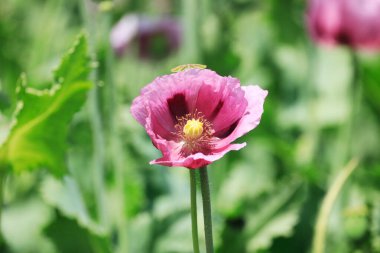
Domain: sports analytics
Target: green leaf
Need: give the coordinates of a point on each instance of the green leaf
(77, 239)
(86, 235)
(23, 223)
(66, 196)
(274, 217)
(39, 131)
(246, 182)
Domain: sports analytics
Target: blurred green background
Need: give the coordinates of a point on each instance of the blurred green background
(318, 116)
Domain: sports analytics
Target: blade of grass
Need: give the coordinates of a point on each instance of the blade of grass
(327, 205)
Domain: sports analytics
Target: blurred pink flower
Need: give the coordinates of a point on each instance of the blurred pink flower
(193, 116)
(355, 23)
(155, 37)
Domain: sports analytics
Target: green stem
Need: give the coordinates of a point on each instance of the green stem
(117, 154)
(194, 219)
(345, 148)
(355, 69)
(96, 121)
(356, 92)
(206, 210)
(191, 18)
(2, 178)
(327, 205)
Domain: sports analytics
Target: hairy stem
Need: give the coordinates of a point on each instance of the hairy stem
(206, 210)
(194, 219)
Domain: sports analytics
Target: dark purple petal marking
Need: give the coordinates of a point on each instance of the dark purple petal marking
(216, 110)
(227, 131)
(343, 38)
(178, 106)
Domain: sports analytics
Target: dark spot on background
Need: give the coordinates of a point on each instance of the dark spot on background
(177, 105)
(236, 223)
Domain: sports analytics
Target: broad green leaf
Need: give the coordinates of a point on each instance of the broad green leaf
(77, 240)
(23, 223)
(66, 196)
(274, 217)
(85, 234)
(249, 179)
(178, 237)
(39, 131)
(331, 85)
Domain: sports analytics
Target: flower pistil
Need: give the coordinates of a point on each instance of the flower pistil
(195, 132)
(193, 129)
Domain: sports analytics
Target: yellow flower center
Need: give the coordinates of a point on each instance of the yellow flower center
(193, 129)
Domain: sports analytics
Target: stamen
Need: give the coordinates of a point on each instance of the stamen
(195, 132)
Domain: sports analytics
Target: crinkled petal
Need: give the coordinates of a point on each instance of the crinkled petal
(172, 96)
(139, 110)
(252, 116)
(233, 107)
(196, 160)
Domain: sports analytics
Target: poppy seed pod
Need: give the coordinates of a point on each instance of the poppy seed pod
(354, 23)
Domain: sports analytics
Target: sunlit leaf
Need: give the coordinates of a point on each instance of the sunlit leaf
(39, 131)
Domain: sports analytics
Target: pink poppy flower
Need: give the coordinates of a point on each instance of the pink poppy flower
(348, 22)
(155, 37)
(193, 116)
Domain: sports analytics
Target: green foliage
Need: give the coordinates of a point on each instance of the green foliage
(78, 240)
(67, 198)
(39, 131)
(23, 225)
(275, 218)
(265, 198)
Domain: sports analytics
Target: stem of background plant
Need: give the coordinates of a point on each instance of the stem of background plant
(95, 120)
(356, 92)
(345, 148)
(327, 205)
(194, 219)
(118, 159)
(206, 209)
(191, 16)
(2, 178)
